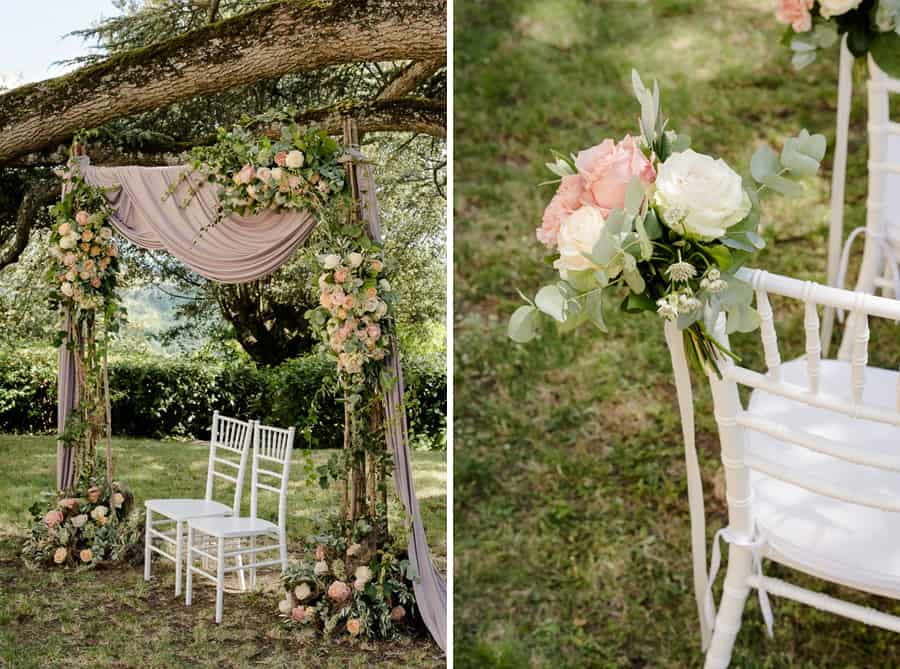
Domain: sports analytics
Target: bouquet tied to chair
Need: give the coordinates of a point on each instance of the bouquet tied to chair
(652, 225)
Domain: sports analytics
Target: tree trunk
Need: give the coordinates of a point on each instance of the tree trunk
(271, 41)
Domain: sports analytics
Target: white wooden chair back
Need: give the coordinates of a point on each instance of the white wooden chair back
(733, 419)
(229, 447)
(880, 269)
(272, 450)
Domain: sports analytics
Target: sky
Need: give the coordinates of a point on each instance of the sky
(31, 36)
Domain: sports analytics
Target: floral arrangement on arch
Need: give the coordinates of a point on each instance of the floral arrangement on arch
(871, 26)
(354, 314)
(93, 526)
(651, 225)
(298, 170)
(85, 265)
(347, 586)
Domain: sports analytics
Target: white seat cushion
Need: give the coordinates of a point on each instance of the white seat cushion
(847, 543)
(184, 509)
(233, 527)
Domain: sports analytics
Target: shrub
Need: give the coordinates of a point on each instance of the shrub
(160, 396)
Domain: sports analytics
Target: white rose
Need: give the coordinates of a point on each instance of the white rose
(106, 233)
(263, 173)
(699, 196)
(577, 236)
(294, 159)
(67, 242)
(99, 512)
(330, 261)
(277, 173)
(66, 289)
(302, 592)
(829, 8)
(321, 568)
(355, 259)
(284, 606)
(363, 575)
(71, 275)
(79, 520)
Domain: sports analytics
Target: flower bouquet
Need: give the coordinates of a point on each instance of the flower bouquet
(871, 26)
(347, 586)
(93, 526)
(655, 226)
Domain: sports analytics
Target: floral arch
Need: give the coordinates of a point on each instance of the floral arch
(236, 214)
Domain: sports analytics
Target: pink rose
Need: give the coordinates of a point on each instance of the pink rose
(246, 174)
(340, 275)
(353, 626)
(95, 282)
(398, 613)
(82, 218)
(112, 251)
(325, 300)
(263, 174)
(608, 168)
(298, 613)
(339, 592)
(53, 518)
(566, 200)
(69, 259)
(70, 503)
(349, 302)
(371, 292)
(87, 235)
(796, 13)
(374, 331)
(281, 158)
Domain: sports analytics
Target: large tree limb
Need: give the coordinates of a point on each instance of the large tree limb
(277, 39)
(409, 79)
(407, 114)
(41, 194)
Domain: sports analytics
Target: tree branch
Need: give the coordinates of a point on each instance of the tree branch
(274, 40)
(39, 195)
(409, 79)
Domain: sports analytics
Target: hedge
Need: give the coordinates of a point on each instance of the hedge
(155, 396)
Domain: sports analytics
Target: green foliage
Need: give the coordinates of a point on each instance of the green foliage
(174, 397)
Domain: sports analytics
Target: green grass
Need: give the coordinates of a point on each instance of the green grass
(111, 618)
(571, 527)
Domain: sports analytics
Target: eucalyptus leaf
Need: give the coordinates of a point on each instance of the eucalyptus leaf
(643, 238)
(803, 154)
(720, 254)
(742, 318)
(634, 196)
(552, 302)
(593, 309)
(784, 186)
(523, 325)
(764, 163)
(652, 226)
(885, 49)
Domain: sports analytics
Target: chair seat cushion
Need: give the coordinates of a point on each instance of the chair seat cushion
(843, 542)
(233, 527)
(184, 509)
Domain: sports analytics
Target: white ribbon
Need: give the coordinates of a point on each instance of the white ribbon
(756, 546)
(890, 258)
(703, 595)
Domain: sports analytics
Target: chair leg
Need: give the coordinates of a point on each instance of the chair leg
(147, 540)
(179, 558)
(282, 549)
(240, 562)
(252, 564)
(220, 579)
(731, 608)
(189, 586)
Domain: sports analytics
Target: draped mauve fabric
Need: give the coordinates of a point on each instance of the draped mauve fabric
(237, 250)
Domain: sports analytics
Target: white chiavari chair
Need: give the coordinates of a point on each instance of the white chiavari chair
(272, 450)
(229, 447)
(812, 466)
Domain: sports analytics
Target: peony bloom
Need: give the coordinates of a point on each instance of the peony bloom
(53, 518)
(353, 626)
(79, 520)
(86, 555)
(699, 196)
(302, 592)
(281, 158)
(577, 236)
(82, 218)
(60, 555)
(796, 13)
(566, 200)
(339, 592)
(398, 613)
(294, 159)
(829, 8)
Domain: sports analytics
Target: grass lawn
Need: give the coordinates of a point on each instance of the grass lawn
(571, 527)
(112, 619)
